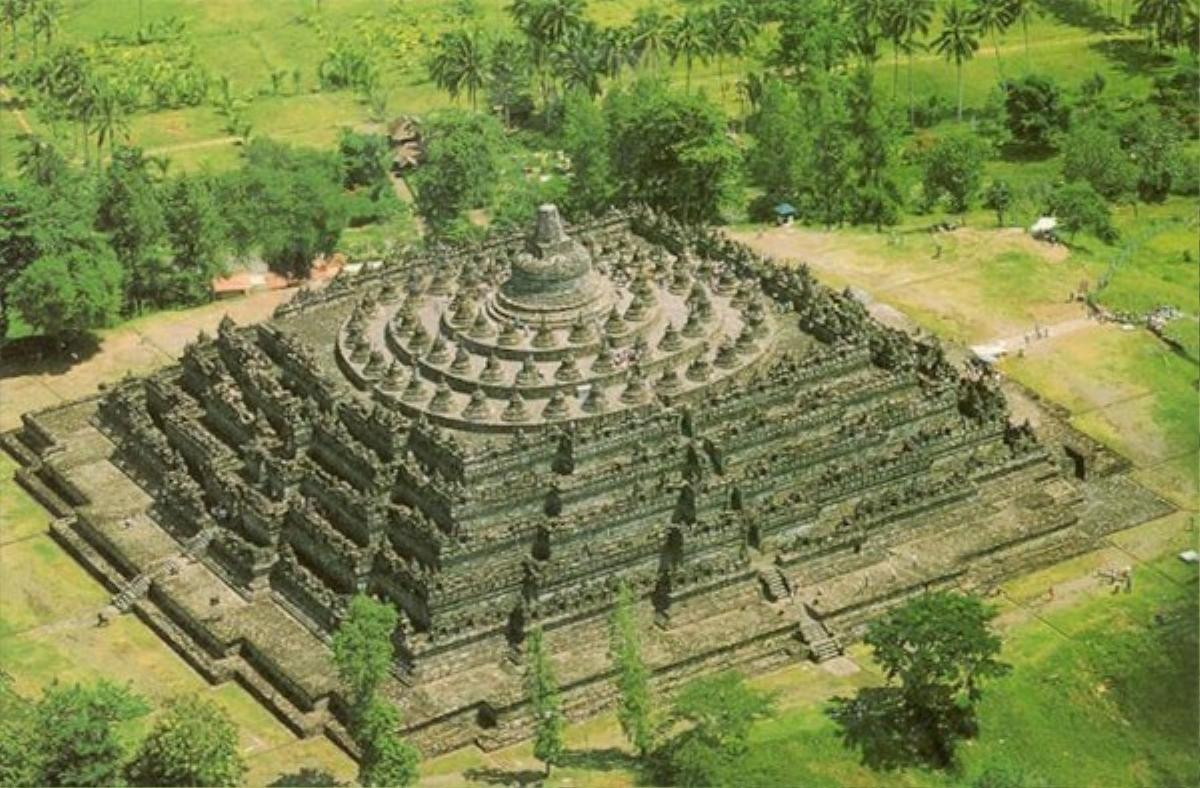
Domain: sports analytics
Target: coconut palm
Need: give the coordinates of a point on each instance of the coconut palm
(729, 27)
(648, 35)
(910, 20)
(44, 16)
(993, 17)
(108, 118)
(688, 39)
(1023, 11)
(460, 63)
(581, 59)
(958, 41)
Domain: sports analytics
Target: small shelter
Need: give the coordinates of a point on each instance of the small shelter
(785, 212)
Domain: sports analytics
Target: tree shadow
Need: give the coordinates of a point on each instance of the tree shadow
(873, 722)
(605, 760)
(306, 777)
(1132, 56)
(891, 735)
(1080, 13)
(40, 355)
(490, 776)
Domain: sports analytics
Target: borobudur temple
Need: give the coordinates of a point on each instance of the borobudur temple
(499, 437)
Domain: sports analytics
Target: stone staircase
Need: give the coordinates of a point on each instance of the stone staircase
(134, 590)
(139, 586)
(774, 585)
(822, 644)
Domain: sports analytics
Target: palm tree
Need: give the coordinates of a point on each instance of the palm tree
(460, 62)
(108, 118)
(648, 35)
(38, 160)
(993, 17)
(957, 41)
(687, 39)
(1023, 11)
(911, 18)
(44, 20)
(581, 60)
(729, 27)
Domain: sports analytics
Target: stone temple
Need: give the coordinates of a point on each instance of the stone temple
(499, 437)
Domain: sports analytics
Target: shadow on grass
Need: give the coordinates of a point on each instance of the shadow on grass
(1080, 13)
(492, 776)
(606, 760)
(872, 722)
(44, 355)
(890, 735)
(1132, 56)
(307, 777)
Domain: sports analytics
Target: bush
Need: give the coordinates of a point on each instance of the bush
(953, 168)
(1036, 110)
(1078, 206)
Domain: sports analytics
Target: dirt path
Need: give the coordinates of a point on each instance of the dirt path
(137, 347)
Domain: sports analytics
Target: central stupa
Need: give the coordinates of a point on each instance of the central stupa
(570, 330)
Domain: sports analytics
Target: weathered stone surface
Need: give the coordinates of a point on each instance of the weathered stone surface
(526, 430)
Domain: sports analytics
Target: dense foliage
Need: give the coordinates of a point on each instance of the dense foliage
(194, 742)
(364, 653)
(714, 715)
(936, 651)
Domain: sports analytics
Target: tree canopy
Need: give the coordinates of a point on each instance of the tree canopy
(671, 151)
(194, 742)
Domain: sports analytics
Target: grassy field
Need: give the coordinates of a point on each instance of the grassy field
(247, 41)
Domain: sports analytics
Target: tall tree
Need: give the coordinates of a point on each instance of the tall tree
(364, 654)
(716, 714)
(776, 161)
(911, 20)
(287, 203)
(993, 17)
(544, 701)
(649, 36)
(45, 16)
(634, 709)
(957, 42)
(671, 150)
(362, 647)
(197, 232)
(876, 195)
(459, 169)
(940, 649)
(108, 115)
(67, 295)
(953, 167)
(687, 40)
(194, 742)
(459, 63)
(78, 736)
(131, 213)
(585, 141)
(730, 27)
(1023, 11)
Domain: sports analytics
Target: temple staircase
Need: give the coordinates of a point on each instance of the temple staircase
(139, 586)
(822, 644)
(134, 590)
(774, 585)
